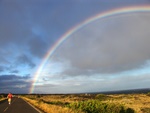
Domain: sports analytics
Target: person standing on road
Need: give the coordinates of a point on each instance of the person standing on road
(9, 97)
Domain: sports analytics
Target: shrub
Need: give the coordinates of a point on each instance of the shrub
(101, 97)
(55, 102)
(145, 110)
(95, 106)
(148, 94)
(1, 96)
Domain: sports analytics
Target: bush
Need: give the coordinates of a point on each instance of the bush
(55, 102)
(101, 97)
(1, 96)
(145, 110)
(148, 94)
(95, 106)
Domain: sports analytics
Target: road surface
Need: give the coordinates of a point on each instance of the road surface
(18, 105)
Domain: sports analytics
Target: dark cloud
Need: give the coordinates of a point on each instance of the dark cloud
(12, 77)
(19, 27)
(15, 84)
(14, 71)
(38, 47)
(3, 59)
(13, 24)
(25, 60)
(2, 68)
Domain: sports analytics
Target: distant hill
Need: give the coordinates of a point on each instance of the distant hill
(129, 91)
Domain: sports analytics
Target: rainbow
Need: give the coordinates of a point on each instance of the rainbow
(145, 8)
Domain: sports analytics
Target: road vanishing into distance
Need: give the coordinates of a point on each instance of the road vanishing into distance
(18, 105)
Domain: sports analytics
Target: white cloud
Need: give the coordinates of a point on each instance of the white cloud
(95, 84)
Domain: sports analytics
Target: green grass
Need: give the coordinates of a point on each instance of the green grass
(96, 106)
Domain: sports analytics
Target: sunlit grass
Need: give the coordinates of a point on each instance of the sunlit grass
(48, 108)
(136, 101)
(2, 97)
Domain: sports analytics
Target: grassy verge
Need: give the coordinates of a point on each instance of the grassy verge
(2, 97)
(92, 103)
(76, 104)
(47, 107)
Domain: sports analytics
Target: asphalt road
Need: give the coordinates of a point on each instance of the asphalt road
(18, 105)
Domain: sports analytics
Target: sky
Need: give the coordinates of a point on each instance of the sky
(107, 54)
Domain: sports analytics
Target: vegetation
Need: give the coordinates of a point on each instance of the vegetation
(145, 110)
(148, 94)
(95, 106)
(94, 103)
(102, 97)
(48, 107)
(89, 103)
(2, 97)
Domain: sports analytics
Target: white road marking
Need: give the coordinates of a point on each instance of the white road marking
(5, 109)
(9, 105)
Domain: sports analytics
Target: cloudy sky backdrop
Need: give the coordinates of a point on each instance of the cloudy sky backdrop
(107, 54)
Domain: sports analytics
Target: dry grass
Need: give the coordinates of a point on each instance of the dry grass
(48, 108)
(136, 101)
(2, 97)
(56, 103)
(64, 98)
